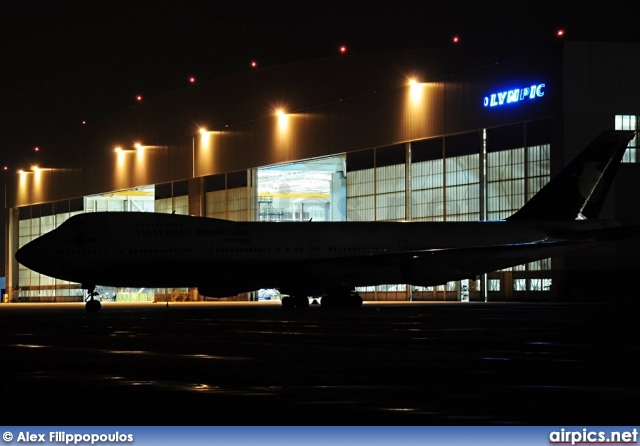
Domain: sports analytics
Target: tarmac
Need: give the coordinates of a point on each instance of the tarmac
(254, 363)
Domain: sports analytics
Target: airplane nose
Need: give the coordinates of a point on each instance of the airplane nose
(40, 255)
(20, 255)
(26, 255)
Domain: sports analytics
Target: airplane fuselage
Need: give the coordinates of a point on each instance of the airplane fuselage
(164, 250)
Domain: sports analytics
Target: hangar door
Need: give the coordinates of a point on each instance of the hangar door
(313, 190)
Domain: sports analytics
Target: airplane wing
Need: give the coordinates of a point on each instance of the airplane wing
(437, 266)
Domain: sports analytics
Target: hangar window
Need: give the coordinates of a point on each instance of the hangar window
(376, 184)
(462, 176)
(390, 183)
(462, 192)
(505, 170)
(361, 195)
(629, 122)
(538, 168)
(540, 265)
(390, 194)
(505, 183)
(361, 185)
(519, 284)
(540, 285)
(427, 180)
(493, 285)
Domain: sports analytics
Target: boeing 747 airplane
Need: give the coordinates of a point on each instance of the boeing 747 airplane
(330, 259)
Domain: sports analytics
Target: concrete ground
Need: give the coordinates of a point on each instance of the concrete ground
(254, 363)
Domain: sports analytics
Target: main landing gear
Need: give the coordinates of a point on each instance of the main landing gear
(92, 305)
(297, 301)
(342, 298)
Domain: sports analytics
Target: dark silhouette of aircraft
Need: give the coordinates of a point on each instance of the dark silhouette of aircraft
(330, 259)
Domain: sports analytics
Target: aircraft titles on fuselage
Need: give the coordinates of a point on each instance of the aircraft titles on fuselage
(229, 235)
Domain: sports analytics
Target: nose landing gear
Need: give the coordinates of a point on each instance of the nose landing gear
(92, 305)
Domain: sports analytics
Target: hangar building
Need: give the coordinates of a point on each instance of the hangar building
(444, 134)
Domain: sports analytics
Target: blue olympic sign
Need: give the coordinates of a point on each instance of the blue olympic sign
(514, 96)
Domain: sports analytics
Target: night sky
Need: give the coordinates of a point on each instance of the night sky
(63, 62)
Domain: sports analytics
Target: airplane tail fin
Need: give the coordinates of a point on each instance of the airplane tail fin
(580, 189)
